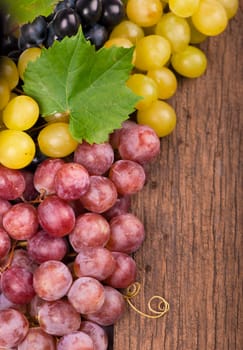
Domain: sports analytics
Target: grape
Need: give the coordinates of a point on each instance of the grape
(175, 29)
(128, 176)
(118, 42)
(51, 36)
(64, 4)
(91, 229)
(160, 116)
(112, 12)
(111, 310)
(124, 273)
(4, 207)
(14, 327)
(96, 158)
(58, 317)
(32, 34)
(89, 10)
(185, 8)
(145, 87)
(21, 221)
(17, 149)
(17, 285)
(114, 137)
(37, 339)
(21, 113)
(71, 181)
(129, 30)
(190, 63)
(152, 52)
(44, 176)
(139, 143)
(86, 295)
(66, 22)
(231, 7)
(196, 36)
(210, 18)
(122, 206)
(4, 93)
(34, 306)
(96, 262)
(38, 158)
(12, 183)
(5, 304)
(76, 341)
(42, 247)
(97, 35)
(22, 259)
(96, 333)
(101, 195)
(30, 192)
(127, 233)
(5, 243)
(144, 13)
(52, 280)
(9, 71)
(28, 55)
(166, 82)
(56, 216)
(55, 140)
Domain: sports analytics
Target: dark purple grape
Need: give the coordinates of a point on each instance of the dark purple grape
(113, 12)
(51, 35)
(97, 35)
(66, 23)
(89, 10)
(33, 34)
(9, 44)
(64, 5)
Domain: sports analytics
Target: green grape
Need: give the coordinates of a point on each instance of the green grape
(56, 141)
(210, 18)
(17, 149)
(21, 113)
(183, 8)
(166, 82)
(143, 12)
(152, 52)
(175, 29)
(30, 54)
(9, 71)
(196, 36)
(4, 93)
(119, 42)
(231, 7)
(145, 87)
(190, 63)
(129, 30)
(160, 116)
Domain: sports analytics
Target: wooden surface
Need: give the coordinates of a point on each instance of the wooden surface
(192, 211)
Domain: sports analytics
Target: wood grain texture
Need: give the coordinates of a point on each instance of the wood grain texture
(192, 211)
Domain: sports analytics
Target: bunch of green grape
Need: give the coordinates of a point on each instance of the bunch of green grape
(166, 35)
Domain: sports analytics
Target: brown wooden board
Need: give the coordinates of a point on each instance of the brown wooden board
(192, 211)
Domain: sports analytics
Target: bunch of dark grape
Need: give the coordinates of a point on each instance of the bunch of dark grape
(96, 17)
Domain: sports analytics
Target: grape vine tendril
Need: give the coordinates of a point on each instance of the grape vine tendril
(162, 305)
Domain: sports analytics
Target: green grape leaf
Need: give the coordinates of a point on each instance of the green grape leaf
(72, 77)
(26, 10)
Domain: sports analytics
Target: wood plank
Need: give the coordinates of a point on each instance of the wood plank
(192, 211)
